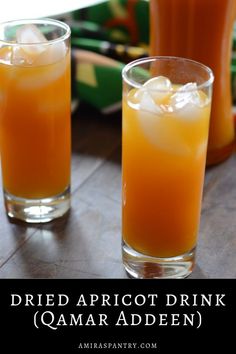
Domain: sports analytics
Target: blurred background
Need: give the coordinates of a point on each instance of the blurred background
(106, 34)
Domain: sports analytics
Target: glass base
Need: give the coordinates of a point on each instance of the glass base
(37, 210)
(138, 265)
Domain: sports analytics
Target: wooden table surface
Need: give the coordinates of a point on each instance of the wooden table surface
(87, 242)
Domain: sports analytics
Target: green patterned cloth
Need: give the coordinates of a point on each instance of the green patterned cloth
(104, 38)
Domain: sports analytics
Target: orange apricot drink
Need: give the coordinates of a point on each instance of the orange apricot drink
(163, 166)
(164, 144)
(35, 128)
(201, 30)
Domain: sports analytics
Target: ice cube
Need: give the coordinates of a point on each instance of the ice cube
(30, 34)
(156, 127)
(162, 133)
(188, 93)
(43, 77)
(55, 52)
(184, 95)
(158, 83)
(159, 88)
(158, 117)
(28, 37)
(35, 53)
(58, 51)
(187, 102)
(152, 95)
(146, 102)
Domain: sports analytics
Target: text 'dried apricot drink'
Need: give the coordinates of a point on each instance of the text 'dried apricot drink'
(166, 110)
(35, 118)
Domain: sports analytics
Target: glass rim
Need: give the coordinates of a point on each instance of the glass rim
(51, 21)
(144, 60)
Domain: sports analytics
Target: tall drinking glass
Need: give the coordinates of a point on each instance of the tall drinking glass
(35, 118)
(166, 110)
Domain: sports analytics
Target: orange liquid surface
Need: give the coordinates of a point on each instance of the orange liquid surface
(163, 162)
(35, 128)
(201, 30)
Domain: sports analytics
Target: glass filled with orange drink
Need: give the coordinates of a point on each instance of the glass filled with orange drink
(35, 140)
(166, 111)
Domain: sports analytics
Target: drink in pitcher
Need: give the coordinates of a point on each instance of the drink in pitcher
(166, 110)
(201, 30)
(35, 118)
